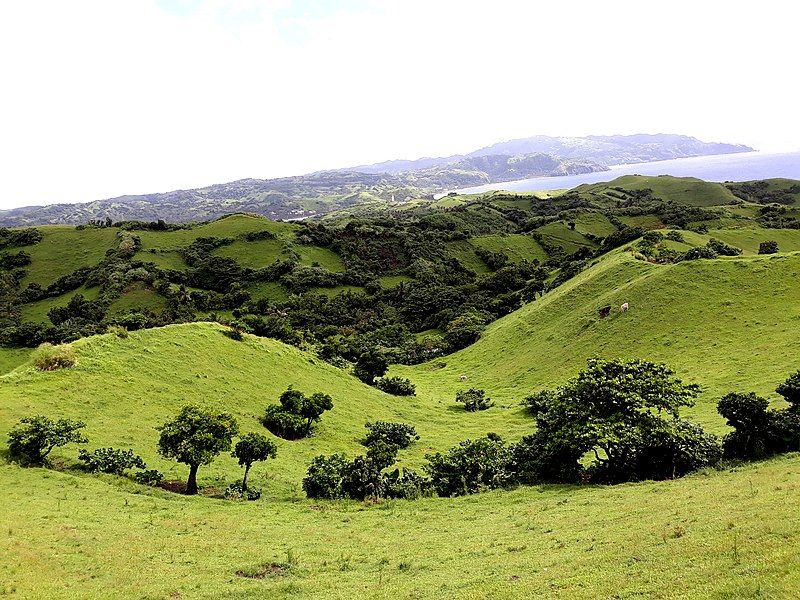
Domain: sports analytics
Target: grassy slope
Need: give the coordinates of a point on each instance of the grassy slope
(728, 535)
(124, 388)
(64, 249)
(710, 320)
(682, 190)
(82, 536)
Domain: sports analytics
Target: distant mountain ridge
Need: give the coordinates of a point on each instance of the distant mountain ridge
(325, 191)
(605, 150)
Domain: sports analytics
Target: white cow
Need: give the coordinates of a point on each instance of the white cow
(463, 378)
(624, 307)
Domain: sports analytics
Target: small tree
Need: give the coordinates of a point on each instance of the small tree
(33, 438)
(395, 434)
(371, 364)
(195, 437)
(790, 390)
(768, 247)
(252, 448)
(294, 418)
(473, 400)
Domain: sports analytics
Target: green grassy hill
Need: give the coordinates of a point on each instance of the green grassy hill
(728, 324)
(688, 191)
(719, 535)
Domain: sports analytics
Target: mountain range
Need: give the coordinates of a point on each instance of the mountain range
(397, 180)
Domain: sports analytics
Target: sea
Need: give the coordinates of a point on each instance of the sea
(744, 166)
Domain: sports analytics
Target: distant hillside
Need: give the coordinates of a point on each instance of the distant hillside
(605, 150)
(301, 196)
(323, 192)
(615, 149)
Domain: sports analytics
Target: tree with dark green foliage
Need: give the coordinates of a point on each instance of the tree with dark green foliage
(324, 477)
(473, 400)
(749, 416)
(768, 247)
(396, 386)
(33, 438)
(294, 418)
(195, 437)
(253, 447)
(790, 390)
(471, 466)
(110, 460)
(464, 330)
(626, 414)
(722, 248)
(394, 434)
(371, 364)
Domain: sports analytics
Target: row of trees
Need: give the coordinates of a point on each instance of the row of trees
(616, 421)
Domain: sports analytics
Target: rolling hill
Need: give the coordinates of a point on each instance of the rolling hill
(729, 323)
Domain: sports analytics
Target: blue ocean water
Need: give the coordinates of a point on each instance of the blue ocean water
(726, 167)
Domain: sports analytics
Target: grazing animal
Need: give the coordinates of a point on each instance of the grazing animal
(604, 312)
(463, 378)
(624, 307)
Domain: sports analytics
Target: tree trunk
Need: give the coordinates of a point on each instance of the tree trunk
(244, 479)
(191, 484)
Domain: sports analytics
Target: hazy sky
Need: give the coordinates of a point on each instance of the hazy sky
(108, 97)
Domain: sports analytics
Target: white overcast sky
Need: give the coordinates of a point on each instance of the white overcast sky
(109, 97)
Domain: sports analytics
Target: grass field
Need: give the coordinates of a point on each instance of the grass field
(516, 246)
(37, 311)
(727, 324)
(729, 535)
(559, 234)
(64, 249)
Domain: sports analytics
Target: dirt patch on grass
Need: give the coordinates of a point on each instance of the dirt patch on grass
(264, 571)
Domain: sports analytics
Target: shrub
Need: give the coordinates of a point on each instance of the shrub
(654, 237)
(674, 235)
(768, 247)
(748, 415)
(195, 437)
(51, 358)
(235, 491)
(110, 460)
(406, 484)
(722, 248)
(474, 400)
(699, 252)
(464, 330)
(324, 477)
(284, 424)
(117, 330)
(371, 364)
(470, 467)
(790, 390)
(33, 438)
(297, 413)
(395, 434)
(148, 477)
(397, 386)
(363, 477)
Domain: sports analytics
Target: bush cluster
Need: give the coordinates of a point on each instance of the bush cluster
(296, 414)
